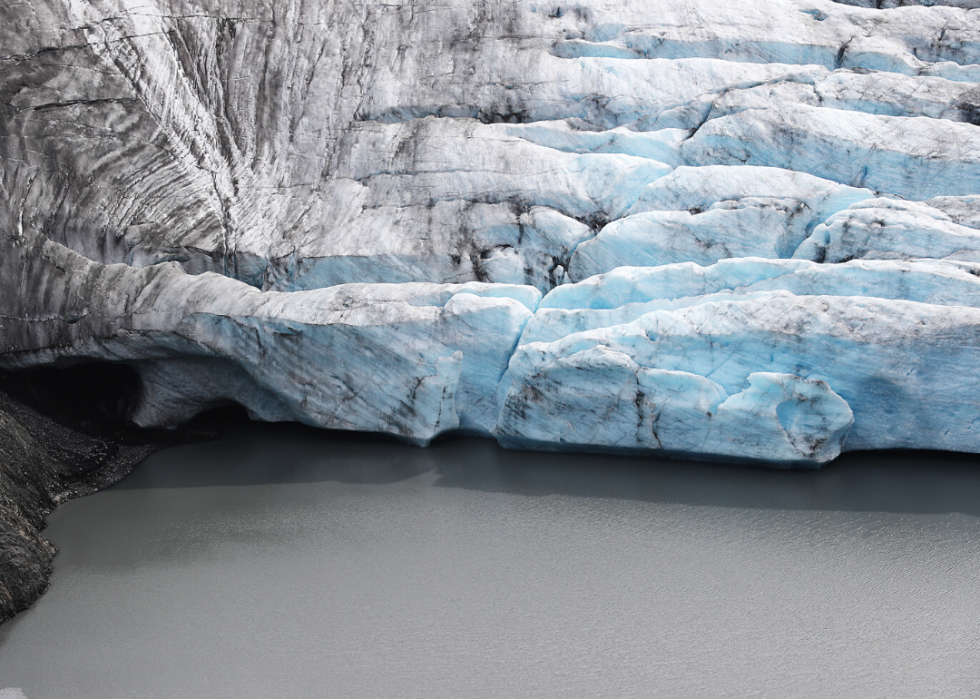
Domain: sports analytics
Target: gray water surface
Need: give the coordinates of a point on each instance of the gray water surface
(281, 562)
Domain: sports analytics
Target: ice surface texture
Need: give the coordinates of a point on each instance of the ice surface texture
(745, 231)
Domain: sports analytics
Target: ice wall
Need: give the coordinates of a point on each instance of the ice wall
(745, 231)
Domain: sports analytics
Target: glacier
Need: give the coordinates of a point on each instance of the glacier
(743, 232)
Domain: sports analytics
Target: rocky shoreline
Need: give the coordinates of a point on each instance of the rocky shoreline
(62, 436)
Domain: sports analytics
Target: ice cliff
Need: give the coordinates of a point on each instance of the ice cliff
(745, 231)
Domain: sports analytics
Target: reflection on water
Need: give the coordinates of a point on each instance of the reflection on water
(284, 562)
(911, 482)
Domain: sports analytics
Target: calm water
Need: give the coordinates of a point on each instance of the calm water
(281, 562)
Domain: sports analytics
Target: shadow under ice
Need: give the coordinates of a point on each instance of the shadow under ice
(914, 482)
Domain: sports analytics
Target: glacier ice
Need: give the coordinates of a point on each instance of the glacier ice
(906, 156)
(627, 293)
(712, 213)
(860, 347)
(741, 231)
(777, 418)
(890, 229)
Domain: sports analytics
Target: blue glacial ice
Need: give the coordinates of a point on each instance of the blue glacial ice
(777, 418)
(903, 367)
(740, 231)
(713, 213)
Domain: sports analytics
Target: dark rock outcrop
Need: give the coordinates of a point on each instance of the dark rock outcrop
(61, 437)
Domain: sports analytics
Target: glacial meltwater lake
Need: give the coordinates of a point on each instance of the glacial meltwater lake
(282, 562)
